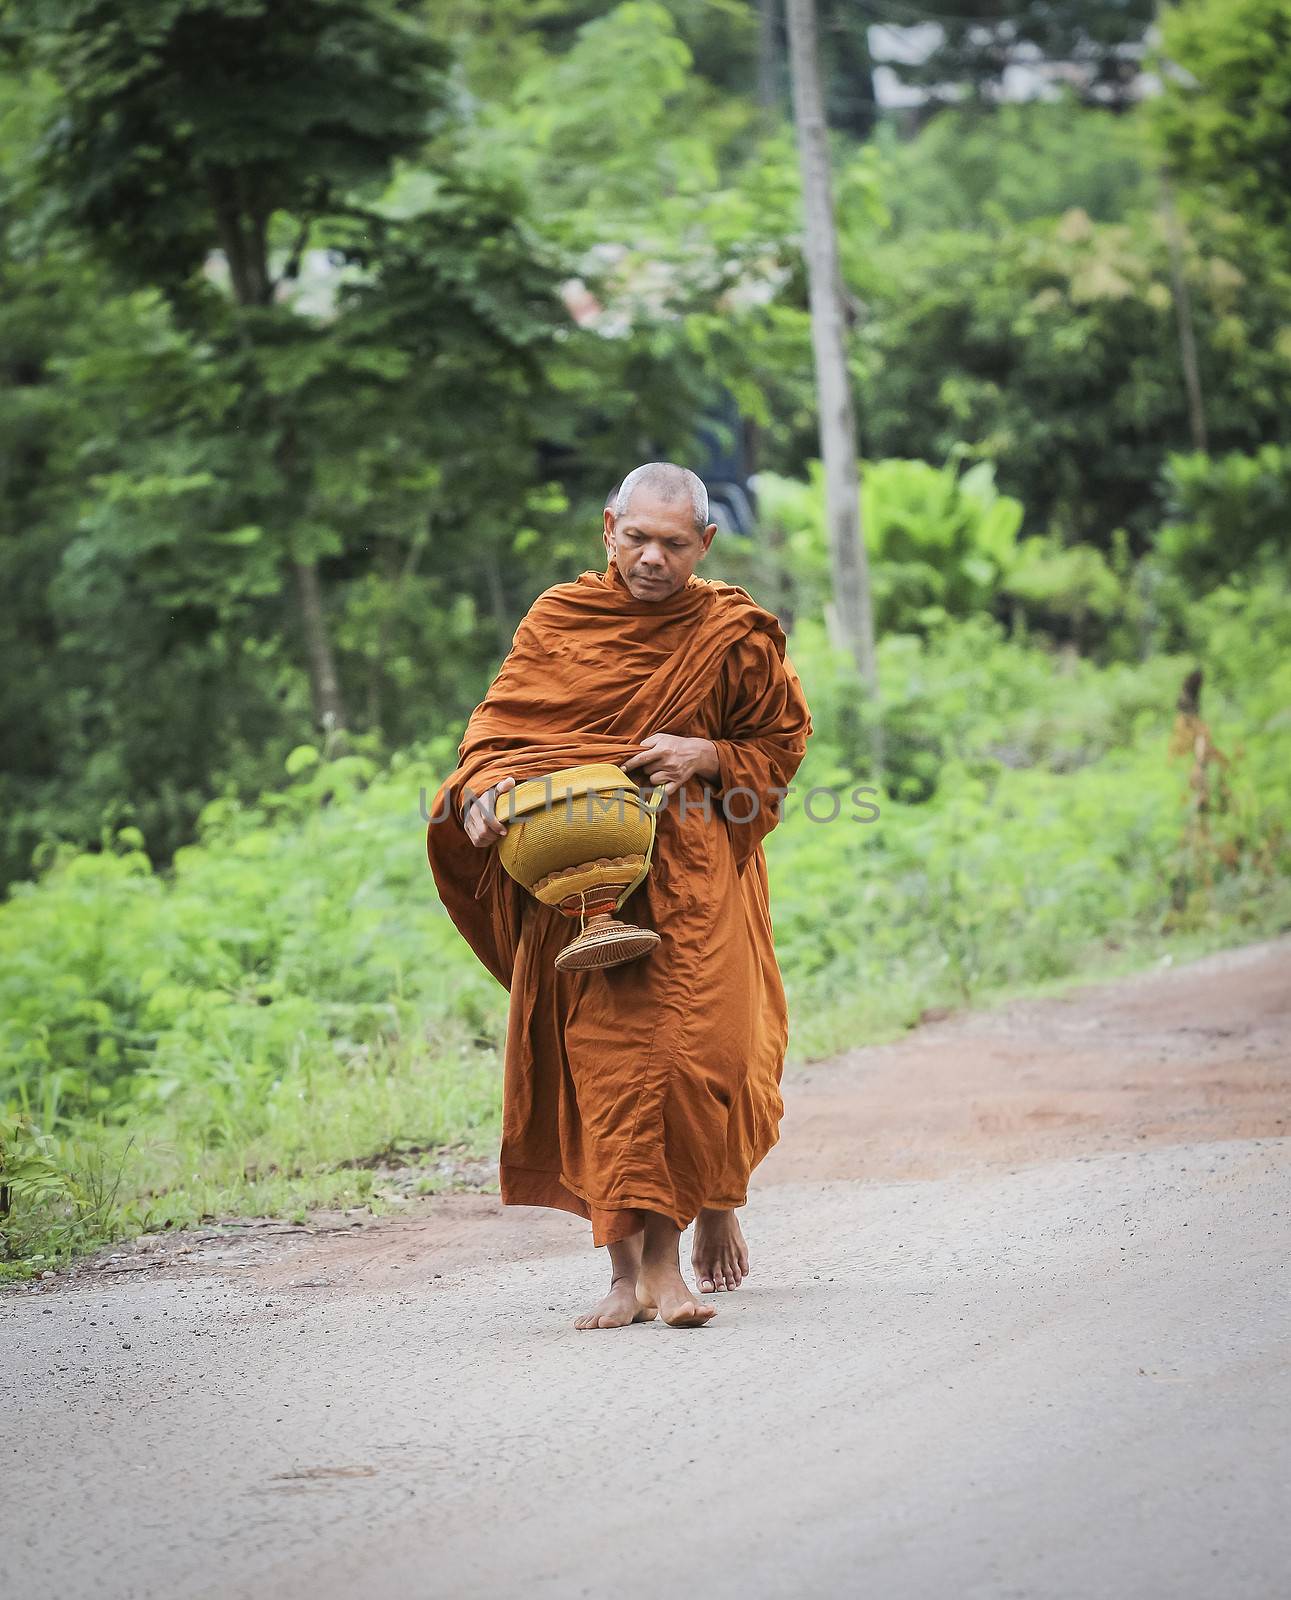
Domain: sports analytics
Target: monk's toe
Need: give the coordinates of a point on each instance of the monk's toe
(690, 1314)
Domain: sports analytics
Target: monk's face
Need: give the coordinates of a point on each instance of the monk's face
(655, 545)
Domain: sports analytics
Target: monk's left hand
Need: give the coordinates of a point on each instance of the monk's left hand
(673, 761)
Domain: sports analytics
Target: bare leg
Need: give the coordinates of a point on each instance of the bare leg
(620, 1306)
(719, 1256)
(661, 1284)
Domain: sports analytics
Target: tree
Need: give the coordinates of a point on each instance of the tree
(1050, 349)
(171, 450)
(837, 422)
(1225, 115)
(193, 125)
(981, 168)
(1225, 123)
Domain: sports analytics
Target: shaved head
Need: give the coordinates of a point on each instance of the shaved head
(657, 529)
(664, 480)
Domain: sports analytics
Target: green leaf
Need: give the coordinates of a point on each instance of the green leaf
(301, 759)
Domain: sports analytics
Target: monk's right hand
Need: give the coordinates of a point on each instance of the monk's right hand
(481, 824)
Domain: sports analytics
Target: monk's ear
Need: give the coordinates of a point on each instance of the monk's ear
(707, 537)
(609, 531)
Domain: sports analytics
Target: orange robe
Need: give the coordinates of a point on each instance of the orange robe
(652, 1086)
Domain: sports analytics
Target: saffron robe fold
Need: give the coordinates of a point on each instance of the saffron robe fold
(652, 1086)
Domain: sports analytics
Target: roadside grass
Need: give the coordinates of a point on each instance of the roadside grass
(901, 999)
(1021, 884)
(251, 1031)
(315, 1138)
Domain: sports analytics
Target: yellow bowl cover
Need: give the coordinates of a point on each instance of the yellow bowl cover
(578, 817)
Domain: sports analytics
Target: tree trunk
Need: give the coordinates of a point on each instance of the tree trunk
(396, 582)
(243, 229)
(838, 447)
(328, 709)
(1183, 316)
(497, 598)
(243, 237)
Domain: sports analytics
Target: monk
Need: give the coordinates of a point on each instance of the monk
(640, 1096)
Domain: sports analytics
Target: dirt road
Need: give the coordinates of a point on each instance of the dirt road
(1018, 1326)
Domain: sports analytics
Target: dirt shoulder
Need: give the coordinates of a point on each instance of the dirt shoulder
(1175, 1055)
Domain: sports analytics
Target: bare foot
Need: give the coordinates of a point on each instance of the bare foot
(661, 1285)
(617, 1309)
(719, 1255)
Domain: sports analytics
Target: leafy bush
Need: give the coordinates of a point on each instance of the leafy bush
(1042, 819)
(274, 945)
(1225, 512)
(938, 539)
(1069, 587)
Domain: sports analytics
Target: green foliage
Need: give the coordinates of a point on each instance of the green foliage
(180, 119)
(683, 211)
(27, 1171)
(58, 1195)
(986, 170)
(123, 990)
(1069, 590)
(180, 452)
(1052, 351)
(281, 295)
(968, 695)
(939, 539)
(289, 1000)
(1056, 835)
(1224, 514)
(358, 366)
(1225, 116)
(599, 123)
